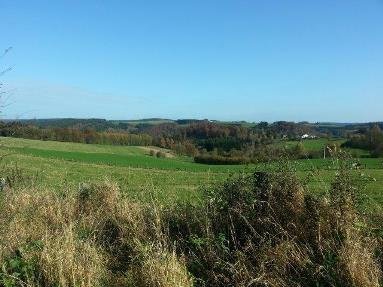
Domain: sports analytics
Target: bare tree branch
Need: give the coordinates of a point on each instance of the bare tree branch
(6, 51)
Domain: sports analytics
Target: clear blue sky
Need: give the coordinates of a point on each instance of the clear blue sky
(229, 60)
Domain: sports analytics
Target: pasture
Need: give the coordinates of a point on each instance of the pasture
(60, 164)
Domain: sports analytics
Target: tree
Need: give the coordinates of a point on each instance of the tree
(3, 93)
(299, 151)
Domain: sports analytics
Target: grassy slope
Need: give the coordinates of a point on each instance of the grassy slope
(136, 172)
(58, 164)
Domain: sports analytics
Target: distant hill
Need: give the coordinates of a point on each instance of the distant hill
(332, 128)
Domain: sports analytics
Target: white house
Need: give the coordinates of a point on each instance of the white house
(307, 136)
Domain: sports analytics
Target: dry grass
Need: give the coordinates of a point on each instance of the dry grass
(260, 230)
(83, 238)
(161, 268)
(357, 263)
(67, 261)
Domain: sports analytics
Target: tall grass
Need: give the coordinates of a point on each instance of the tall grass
(263, 229)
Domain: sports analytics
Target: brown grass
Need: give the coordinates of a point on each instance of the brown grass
(259, 230)
(67, 261)
(90, 237)
(160, 268)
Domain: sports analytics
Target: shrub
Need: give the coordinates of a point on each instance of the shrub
(378, 151)
(266, 230)
(217, 159)
(16, 269)
(160, 154)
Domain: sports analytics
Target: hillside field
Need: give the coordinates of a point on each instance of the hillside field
(59, 164)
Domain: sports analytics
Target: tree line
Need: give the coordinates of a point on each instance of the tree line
(370, 139)
(87, 135)
(206, 141)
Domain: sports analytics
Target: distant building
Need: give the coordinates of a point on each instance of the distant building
(307, 136)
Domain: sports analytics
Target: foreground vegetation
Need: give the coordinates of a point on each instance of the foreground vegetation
(262, 229)
(98, 215)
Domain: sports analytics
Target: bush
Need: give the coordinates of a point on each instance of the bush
(217, 159)
(266, 230)
(160, 154)
(378, 151)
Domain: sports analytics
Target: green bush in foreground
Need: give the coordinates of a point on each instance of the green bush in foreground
(258, 230)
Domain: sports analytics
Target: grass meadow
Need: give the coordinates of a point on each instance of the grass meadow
(57, 164)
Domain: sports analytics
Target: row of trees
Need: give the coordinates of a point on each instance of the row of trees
(205, 135)
(201, 131)
(259, 153)
(87, 136)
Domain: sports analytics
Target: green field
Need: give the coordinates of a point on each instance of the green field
(58, 164)
(311, 145)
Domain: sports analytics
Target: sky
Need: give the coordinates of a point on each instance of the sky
(255, 60)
